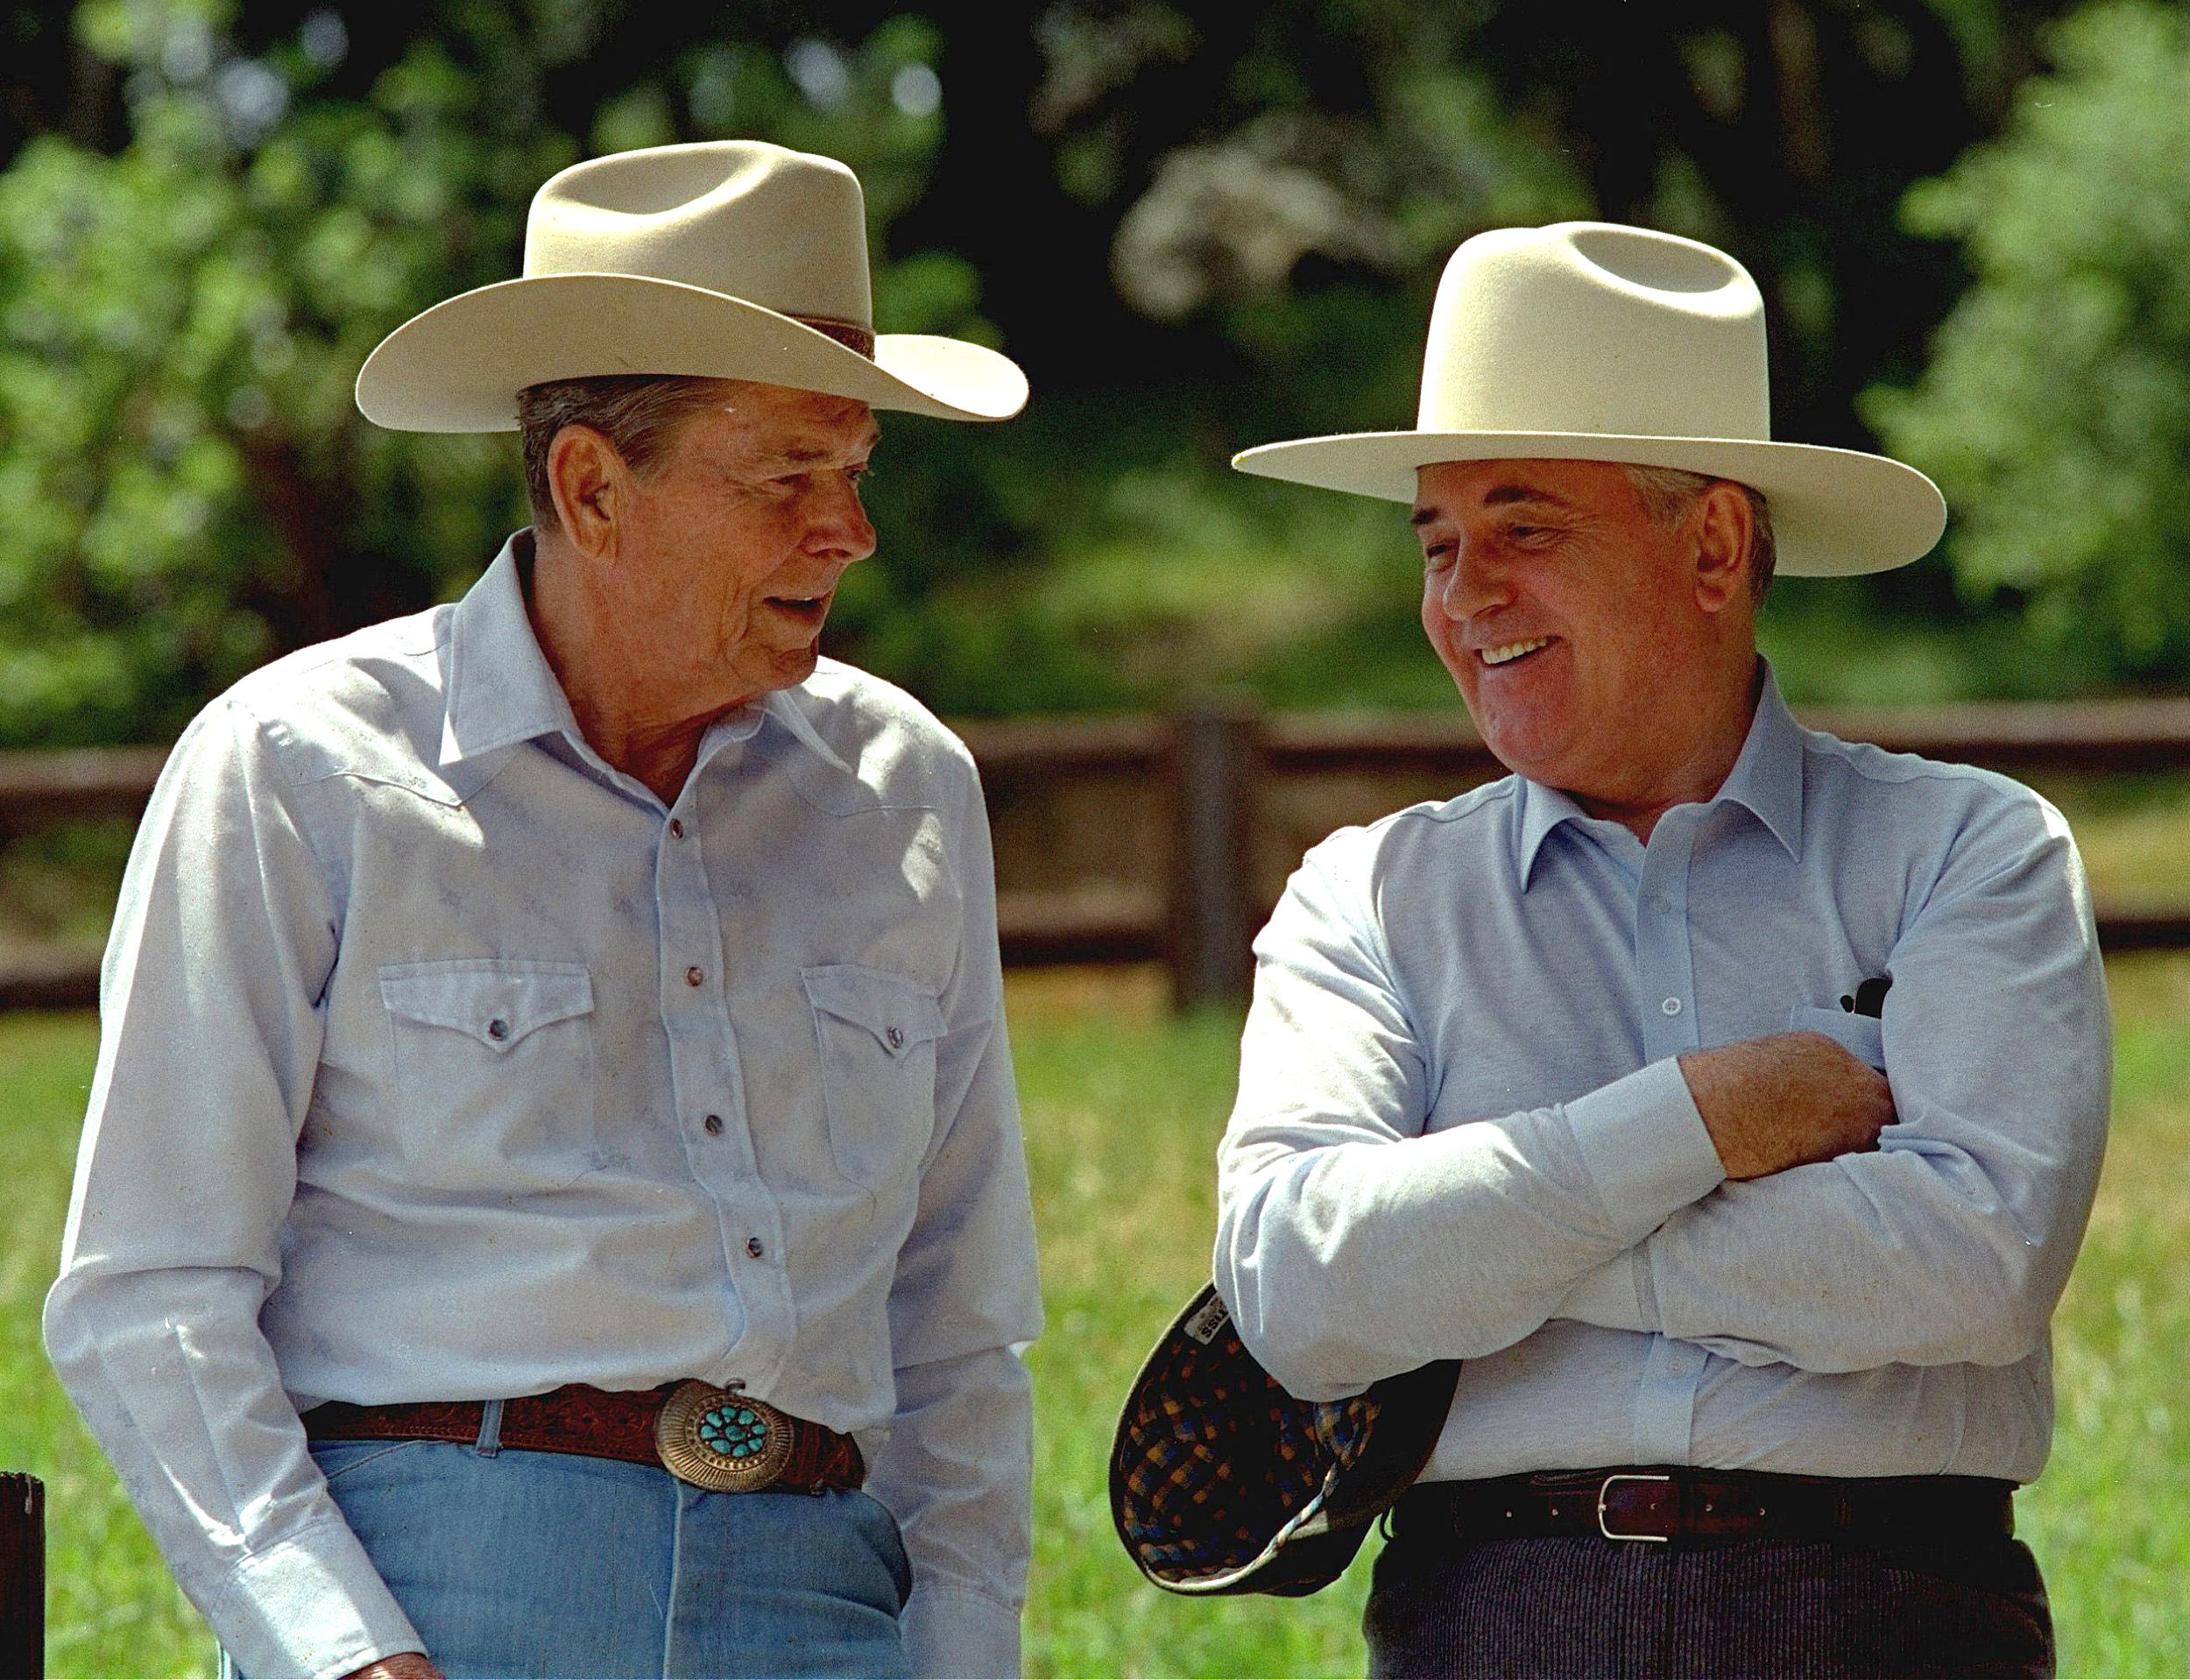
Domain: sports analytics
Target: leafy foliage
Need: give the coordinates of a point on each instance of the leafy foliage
(184, 318)
(2056, 410)
(1197, 227)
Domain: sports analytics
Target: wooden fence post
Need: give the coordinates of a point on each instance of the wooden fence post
(1217, 762)
(22, 1576)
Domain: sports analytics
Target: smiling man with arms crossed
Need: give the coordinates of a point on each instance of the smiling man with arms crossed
(555, 1044)
(1727, 1098)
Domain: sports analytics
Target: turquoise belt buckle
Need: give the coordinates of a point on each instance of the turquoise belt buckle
(722, 1440)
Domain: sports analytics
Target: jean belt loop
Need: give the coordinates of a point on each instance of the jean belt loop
(490, 1442)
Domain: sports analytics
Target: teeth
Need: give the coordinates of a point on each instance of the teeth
(1513, 650)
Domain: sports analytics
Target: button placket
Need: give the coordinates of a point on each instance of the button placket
(1664, 963)
(709, 1085)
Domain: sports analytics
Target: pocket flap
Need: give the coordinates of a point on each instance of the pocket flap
(495, 1001)
(1862, 1036)
(900, 1012)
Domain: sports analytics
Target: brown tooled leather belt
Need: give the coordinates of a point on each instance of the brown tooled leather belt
(715, 1439)
(1666, 1502)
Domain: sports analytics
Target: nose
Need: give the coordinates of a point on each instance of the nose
(1477, 582)
(839, 529)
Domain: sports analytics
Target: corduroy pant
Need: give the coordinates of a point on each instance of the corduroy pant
(1594, 1607)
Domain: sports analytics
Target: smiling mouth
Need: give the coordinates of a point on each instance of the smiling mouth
(804, 606)
(1511, 651)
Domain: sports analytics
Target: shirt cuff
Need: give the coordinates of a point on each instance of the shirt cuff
(312, 1604)
(1645, 1148)
(954, 1634)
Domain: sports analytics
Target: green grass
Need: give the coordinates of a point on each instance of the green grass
(1123, 1106)
(110, 1607)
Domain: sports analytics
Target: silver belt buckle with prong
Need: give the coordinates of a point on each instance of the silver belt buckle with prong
(721, 1439)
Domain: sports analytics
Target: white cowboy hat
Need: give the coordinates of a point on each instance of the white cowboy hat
(1592, 342)
(732, 258)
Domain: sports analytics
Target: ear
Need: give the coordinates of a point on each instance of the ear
(592, 487)
(1723, 525)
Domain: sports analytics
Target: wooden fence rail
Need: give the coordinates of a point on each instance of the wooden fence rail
(1212, 769)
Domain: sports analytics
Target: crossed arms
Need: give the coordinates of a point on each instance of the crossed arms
(1732, 1198)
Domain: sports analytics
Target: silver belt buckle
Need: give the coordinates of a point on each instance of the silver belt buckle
(1604, 1491)
(721, 1439)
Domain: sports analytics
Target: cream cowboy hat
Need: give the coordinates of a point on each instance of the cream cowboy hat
(1587, 341)
(732, 258)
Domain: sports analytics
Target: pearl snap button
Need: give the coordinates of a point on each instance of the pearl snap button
(497, 1029)
(1671, 1005)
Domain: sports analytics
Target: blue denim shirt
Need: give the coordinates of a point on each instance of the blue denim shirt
(1462, 1129)
(443, 1061)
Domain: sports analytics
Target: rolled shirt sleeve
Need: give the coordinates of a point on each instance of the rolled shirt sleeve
(1351, 1243)
(222, 942)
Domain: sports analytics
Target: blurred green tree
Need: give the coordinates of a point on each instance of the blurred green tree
(1197, 227)
(2056, 410)
(181, 317)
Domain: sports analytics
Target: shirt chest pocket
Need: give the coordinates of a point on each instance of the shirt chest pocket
(876, 1036)
(493, 1070)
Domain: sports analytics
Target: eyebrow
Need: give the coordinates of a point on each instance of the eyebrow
(1499, 496)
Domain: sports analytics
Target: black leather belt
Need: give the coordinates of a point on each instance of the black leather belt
(1661, 1503)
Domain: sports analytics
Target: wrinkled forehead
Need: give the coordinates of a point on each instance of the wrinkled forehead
(780, 423)
(1452, 490)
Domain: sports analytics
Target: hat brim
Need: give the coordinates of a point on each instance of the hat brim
(1835, 513)
(459, 366)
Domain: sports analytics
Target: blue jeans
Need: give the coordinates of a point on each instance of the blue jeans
(515, 1562)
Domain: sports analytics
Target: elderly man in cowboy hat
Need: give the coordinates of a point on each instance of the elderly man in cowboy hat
(552, 1200)
(1727, 1098)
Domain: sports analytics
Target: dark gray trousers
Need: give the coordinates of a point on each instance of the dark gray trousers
(1594, 1607)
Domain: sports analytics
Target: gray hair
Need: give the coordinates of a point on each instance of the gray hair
(1668, 495)
(640, 414)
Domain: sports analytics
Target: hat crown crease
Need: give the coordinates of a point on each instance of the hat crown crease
(1590, 328)
(772, 227)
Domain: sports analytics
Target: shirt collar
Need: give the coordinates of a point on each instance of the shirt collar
(782, 705)
(1766, 780)
(501, 690)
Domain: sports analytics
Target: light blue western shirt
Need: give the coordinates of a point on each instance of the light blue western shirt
(1462, 1130)
(441, 1061)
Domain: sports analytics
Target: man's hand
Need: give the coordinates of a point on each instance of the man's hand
(1784, 1101)
(404, 1665)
